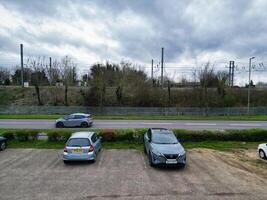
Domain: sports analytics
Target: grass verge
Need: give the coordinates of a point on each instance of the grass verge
(144, 117)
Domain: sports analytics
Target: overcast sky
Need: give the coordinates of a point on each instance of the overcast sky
(192, 32)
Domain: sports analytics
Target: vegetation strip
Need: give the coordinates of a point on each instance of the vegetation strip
(144, 117)
(133, 138)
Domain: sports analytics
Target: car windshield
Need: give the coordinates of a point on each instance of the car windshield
(164, 138)
(78, 142)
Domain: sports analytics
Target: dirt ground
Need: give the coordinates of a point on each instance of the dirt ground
(125, 174)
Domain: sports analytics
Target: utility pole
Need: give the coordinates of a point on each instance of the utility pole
(50, 70)
(21, 63)
(230, 71)
(233, 70)
(249, 74)
(152, 71)
(162, 60)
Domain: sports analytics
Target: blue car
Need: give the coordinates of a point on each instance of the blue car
(3, 143)
(163, 148)
(75, 120)
(82, 146)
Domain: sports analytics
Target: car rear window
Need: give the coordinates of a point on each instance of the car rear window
(78, 142)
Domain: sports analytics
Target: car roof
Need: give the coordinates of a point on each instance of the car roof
(83, 134)
(161, 131)
(79, 114)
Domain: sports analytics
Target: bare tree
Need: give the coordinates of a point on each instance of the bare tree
(53, 72)
(38, 76)
(67, 70)
(207, 79)
(4, 76)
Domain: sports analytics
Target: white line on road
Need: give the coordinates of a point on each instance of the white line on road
(245, 124)
(155, 123)
(200, 124)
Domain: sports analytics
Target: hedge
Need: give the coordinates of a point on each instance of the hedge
(136, 135)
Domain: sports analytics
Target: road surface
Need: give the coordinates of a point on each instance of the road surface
(179, 124)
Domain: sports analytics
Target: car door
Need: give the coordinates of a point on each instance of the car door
(68, 121)
(147, 138)
(95, 142)
(77, 121)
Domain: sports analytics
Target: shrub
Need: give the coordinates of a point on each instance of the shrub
(8, 135)
(107, 134)
(59, 135)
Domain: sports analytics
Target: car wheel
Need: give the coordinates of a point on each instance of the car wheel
(182, 166)
(144, 149)
(262, 154)
(84, 125)
(150, 160)
(66, 162)
(3, 146)
(60, 125)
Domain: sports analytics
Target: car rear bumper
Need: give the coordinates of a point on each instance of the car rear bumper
(82, 156)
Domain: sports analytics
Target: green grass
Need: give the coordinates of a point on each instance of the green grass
(142, 117)
(222, 145)
(216, 145)
(36, 144)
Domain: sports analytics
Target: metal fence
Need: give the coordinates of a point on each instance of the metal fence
(131, 110)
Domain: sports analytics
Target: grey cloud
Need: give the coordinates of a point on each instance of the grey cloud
(196, 26)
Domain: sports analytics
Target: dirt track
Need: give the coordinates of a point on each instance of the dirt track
(125, 174)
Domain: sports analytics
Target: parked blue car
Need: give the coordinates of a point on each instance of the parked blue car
(82, 146)
(3, 143)
(75, 120)
(163, 148)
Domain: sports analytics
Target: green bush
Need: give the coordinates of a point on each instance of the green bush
(8, 135)
(59, 135)
(136, 135)
(251, 135)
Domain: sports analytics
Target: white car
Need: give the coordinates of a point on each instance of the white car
(262, 149)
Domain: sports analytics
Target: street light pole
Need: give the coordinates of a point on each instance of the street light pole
(249, 74)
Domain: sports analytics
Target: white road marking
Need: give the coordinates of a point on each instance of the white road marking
(200, 124)
(245, 124)
(156, 123)
(24, 123)
(113, 123)
(101, 158)
(143, 159)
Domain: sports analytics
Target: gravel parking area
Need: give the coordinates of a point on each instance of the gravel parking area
(125, 174)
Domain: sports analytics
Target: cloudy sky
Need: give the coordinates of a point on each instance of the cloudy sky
(192, 32)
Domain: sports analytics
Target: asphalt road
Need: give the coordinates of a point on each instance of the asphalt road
(28, 174)
(180, 124)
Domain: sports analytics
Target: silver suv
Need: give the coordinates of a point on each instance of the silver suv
(163, 148)
(75, 120)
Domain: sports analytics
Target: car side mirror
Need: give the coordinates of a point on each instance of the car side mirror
(149, 140)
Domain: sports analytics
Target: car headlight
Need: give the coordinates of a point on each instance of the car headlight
(156, 153)
(182, 152)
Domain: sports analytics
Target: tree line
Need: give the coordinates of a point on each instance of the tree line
(122, 84)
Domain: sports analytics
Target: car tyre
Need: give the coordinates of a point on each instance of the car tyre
(84, 125)
(262, 154)
(182, 166)
(66, 162)
(3, 146)
(145, 149)
(60, 125)
(150, 160)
